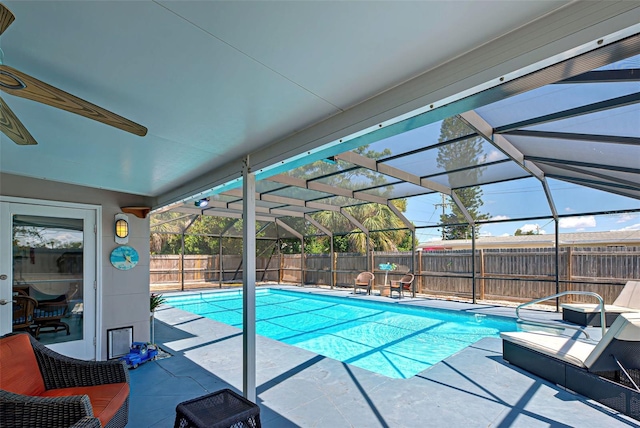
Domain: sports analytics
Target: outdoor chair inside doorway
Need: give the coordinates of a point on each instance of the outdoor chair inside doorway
(23, 310)
(49, 314)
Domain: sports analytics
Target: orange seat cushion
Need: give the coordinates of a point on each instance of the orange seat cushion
(19, 370)
(105, 399)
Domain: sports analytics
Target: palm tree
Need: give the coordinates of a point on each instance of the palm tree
(165, 227)
(373, 216)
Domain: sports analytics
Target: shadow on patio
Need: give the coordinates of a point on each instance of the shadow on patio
(158, 386)
(473, 388)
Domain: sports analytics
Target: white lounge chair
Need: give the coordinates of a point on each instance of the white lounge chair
(588, 314)
(607, 372)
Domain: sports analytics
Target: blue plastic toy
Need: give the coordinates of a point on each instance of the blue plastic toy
(139, 353)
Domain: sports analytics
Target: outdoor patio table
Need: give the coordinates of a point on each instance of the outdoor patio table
(221, 409)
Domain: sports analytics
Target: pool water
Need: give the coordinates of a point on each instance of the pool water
(397, 342)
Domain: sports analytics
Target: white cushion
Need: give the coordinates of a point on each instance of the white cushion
(563, 348)
(625, 327)
(631, 330)
(581, 354)
(591, 308)
(629, 297)
(627, 301)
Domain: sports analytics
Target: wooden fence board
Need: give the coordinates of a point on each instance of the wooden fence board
(509, 274)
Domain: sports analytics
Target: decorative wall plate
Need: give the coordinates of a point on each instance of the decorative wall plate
(124, 257)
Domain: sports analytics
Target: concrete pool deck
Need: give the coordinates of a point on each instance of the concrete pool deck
(473, 388)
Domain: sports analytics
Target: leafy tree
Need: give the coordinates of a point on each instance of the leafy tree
(407, 243)
(341, 244)
(25, 237)
(465, 153)
(198, 240)
(165, 232)
(317, 245)
(201, 234)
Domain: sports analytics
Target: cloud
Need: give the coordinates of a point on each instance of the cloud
(500, 217)
(568, 209)
(623, 218)
(630, 228)
(529, 227)
(577, 222)
(505, 234)
(494, 155)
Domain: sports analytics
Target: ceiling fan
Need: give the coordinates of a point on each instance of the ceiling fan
(17, 83)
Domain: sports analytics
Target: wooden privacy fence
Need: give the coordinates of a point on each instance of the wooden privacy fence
(173, 269)
(501, 274)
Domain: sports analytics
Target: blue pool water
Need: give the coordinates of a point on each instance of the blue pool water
(398, 342)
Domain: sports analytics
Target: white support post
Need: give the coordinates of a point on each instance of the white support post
(249, 282)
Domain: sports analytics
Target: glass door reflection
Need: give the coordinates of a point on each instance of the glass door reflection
(48, 268)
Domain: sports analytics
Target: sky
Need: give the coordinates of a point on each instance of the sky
(514, 199)
(523, 198)
(517, 199)
(583, 223)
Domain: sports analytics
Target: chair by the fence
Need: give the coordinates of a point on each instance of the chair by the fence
(364, 280)
(404, 284)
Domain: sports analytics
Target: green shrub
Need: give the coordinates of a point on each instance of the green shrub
(155, 301)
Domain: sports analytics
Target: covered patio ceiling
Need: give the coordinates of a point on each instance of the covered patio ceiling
(572, 127)
(284, 82)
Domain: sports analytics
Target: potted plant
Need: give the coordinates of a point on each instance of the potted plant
(155, 301)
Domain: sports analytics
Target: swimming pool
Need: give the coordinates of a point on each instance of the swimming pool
(395, 341)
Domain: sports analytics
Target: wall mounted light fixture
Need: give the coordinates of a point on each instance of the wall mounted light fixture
(121, 229)
(202, 203)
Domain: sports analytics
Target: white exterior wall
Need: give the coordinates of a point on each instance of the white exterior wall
(124, 298)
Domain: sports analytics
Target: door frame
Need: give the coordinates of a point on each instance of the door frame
(97, 212)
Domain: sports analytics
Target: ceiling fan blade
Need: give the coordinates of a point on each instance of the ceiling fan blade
(11, 126)
(16, 83)
(6, 18)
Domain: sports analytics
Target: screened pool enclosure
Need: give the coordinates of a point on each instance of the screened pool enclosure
(554, 152)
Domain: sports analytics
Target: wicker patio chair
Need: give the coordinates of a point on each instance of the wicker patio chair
(49, 315)
(405, 283)
(48, 390)
(23, 310)
(364, 280)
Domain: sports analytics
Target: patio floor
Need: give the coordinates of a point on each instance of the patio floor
(474, 388)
